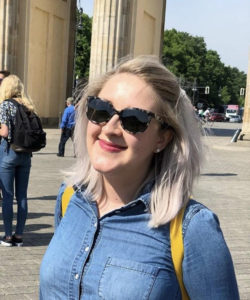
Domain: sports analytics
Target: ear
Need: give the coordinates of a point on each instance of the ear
(165, 136)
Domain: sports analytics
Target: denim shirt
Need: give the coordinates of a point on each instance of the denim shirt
(119, 257)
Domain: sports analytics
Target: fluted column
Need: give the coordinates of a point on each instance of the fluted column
(8, 34)
(245, 134)
(109, 31)
(125, 27)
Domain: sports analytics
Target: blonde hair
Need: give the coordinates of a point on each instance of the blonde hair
(12, 87)
(176, 167)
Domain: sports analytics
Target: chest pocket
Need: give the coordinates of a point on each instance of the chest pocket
(126, 280)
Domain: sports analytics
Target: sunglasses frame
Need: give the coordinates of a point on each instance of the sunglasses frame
(150, 115)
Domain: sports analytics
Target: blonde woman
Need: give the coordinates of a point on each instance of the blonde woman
(138, 150)
(14, 166)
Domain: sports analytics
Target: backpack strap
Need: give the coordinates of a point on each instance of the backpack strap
(67, 194)
(177, 249)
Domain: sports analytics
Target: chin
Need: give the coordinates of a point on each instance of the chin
(106, 169)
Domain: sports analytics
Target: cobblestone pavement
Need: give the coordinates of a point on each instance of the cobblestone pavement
(223, 187)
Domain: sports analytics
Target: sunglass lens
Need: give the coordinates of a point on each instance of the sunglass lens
(134, 120)
(98, 110)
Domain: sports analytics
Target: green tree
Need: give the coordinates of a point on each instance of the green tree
(83, 43)
(225, 96)
(183, 54)
(196, 67)
(211, 75)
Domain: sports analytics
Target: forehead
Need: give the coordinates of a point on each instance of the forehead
(128, 90)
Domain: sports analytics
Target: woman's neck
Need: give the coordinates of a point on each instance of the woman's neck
(117, 193)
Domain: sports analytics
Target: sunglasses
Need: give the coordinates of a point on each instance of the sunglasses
(133, 120)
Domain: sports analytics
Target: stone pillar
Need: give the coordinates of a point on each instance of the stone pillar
(125, 27)
(8, 34)
(245, 134)
(108, 34)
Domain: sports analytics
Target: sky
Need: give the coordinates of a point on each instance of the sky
(224, 25)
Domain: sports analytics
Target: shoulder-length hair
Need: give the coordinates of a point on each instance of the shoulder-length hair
(176, 167)
(12, 87)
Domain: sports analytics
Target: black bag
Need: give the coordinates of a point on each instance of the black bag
(27, 132)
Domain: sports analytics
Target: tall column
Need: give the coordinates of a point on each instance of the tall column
(245, 134)
(110, 21)
(125, 27)
(8, 34)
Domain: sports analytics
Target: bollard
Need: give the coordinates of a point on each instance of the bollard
(236, 135)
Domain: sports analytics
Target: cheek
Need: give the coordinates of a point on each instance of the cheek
(93, 130)
(143, 145)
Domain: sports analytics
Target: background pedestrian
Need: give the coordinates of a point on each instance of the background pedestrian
(14, 166)
(67, 125)
(3, 74)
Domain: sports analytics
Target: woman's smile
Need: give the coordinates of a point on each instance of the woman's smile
(110, 147)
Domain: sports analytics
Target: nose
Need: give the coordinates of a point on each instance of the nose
(113, 126)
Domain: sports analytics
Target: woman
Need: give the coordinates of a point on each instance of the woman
(14, 166)
(139, 150)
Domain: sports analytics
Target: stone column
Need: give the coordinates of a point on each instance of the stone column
(125, 28)
(108, 34)
(245, 134)
(8, 34)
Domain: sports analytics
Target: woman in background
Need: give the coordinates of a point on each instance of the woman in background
(14, 166)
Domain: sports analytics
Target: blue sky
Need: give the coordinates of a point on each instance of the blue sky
(224, 24)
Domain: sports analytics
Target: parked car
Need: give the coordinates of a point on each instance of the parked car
(216, 117)
(235, 119)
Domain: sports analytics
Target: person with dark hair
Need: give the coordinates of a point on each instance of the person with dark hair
(139, 149)
(67, 125)
(3, 74)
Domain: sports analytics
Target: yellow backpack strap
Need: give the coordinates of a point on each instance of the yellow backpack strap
(68, 192)
(177, 249)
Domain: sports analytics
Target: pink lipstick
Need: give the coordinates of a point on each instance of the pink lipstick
(110, 147)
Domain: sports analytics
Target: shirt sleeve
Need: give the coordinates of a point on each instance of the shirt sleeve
(208, 271)
(4, 117)
(65, 118)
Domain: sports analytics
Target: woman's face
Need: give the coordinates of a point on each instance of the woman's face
(114, 151)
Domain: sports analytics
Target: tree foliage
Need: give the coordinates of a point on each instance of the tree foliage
(196, 67)
(83, 44)
(187, 57)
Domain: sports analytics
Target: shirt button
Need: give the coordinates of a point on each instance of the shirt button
(76, 276)
(95, 225)
(86, 249)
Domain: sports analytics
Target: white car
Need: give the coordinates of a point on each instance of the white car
(235, 119)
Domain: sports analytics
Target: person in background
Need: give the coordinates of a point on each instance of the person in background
(206, 114)
(139, 150)
(67, 125)
(3, 74)
(14, 166)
